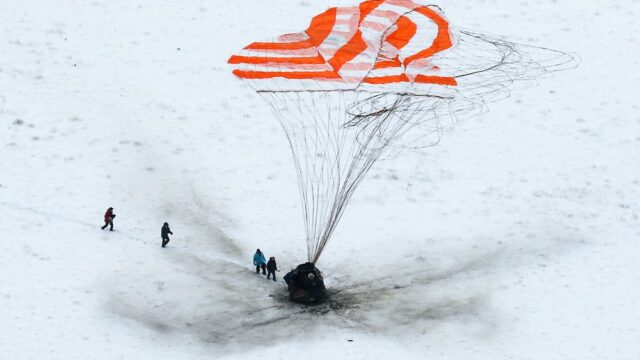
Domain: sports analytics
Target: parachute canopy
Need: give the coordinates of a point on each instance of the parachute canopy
(361, 79)
(379, 42)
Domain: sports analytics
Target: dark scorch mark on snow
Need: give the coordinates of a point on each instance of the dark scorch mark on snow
(227, 304)
(203, 213)
(221, 302)
(197, 214)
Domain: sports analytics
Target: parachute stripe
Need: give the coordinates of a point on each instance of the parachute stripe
(387, 79)
(321, 26)
(431, 79)
(286, 74)
(367, 7)
(346, 53)
(442, 41)
(406, 30)
(304, 44)
(356, 44)
(388, 63)
(308, 52)
(235, 59)
(423, 79)
(290, 67)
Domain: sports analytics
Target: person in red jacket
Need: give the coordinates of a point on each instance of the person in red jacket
(108, 219)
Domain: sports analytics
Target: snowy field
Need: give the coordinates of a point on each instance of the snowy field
(516, 237)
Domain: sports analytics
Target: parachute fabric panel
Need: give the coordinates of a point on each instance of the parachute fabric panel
(354, 45)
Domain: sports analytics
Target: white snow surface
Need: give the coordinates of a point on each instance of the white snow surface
(516, 237)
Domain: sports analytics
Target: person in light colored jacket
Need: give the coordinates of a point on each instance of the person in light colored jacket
(260, 262)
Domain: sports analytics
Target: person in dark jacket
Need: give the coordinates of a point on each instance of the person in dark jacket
(108, 219)
(260, 262)
(164, 233)
(272, 267)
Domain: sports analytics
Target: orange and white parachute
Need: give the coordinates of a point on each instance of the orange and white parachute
(360, 79)
(379, 42)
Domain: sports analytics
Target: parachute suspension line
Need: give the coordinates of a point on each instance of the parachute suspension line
(335, 131)
(342, 163)
(330, 140)
(279, 104)
(365, 148)
(335, 138)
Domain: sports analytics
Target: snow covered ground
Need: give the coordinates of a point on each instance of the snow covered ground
(515, 238)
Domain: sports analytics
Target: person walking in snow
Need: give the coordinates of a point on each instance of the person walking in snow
(164, 233)
(108, 219)
(272, 267)
(260, 262)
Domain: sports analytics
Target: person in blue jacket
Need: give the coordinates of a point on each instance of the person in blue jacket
(260, 262)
